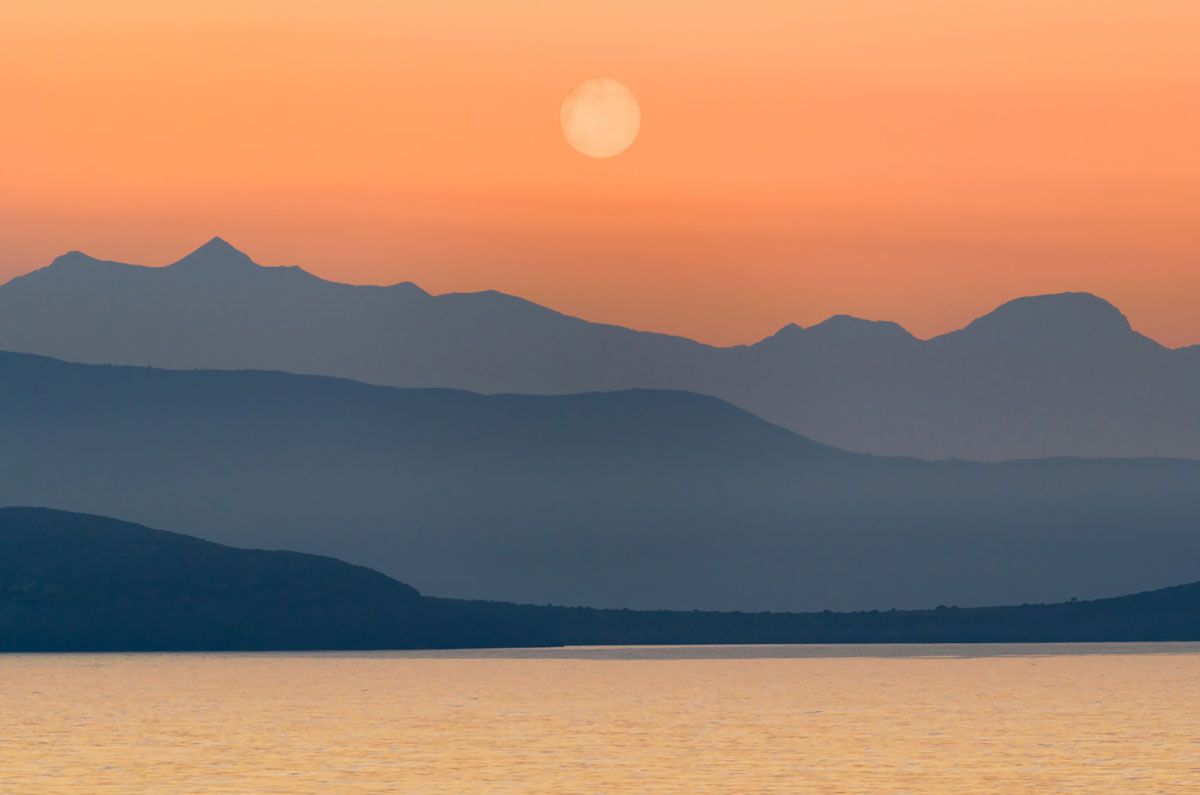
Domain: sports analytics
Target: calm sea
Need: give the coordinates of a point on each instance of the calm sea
(1119, 718)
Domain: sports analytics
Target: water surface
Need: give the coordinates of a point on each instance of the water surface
(787, 719)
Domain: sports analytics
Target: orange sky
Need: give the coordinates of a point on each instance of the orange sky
(905, 159)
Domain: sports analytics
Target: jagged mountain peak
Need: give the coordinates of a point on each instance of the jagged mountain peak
(216, 253)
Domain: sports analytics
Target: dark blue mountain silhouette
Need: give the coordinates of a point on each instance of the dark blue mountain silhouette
(1042, 376)
(639, 498)
(72, 582)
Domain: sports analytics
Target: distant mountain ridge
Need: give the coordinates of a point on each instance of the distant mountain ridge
(639, 498)
(73, 582)
(1043, 376)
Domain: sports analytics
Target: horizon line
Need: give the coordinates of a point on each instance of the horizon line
(217, 241)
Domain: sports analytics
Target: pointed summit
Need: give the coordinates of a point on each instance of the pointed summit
(791, 330)
(215, 254)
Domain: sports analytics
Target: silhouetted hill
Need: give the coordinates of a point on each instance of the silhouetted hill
(1041, 376)
(1068, 319)
(72, 582)
(640, 498)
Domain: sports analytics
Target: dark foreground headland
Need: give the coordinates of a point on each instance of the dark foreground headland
(75, 582)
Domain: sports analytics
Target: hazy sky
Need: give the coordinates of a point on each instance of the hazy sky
(906, 159)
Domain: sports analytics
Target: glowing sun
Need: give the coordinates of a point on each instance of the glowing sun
(600, 117)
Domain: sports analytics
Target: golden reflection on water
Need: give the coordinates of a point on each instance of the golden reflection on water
(586, 721)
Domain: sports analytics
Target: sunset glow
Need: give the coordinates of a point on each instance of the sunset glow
(916, 161)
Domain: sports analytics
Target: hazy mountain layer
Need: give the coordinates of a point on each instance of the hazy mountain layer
(1042, 376)
(641, 498)
(72, 582)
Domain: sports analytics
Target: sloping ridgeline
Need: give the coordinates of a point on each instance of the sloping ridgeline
(643, 499)
(1042, 376)
(73, 582)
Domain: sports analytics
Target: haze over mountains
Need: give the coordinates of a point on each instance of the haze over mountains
(1041, 376)
(72, 582)
(651, 499)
